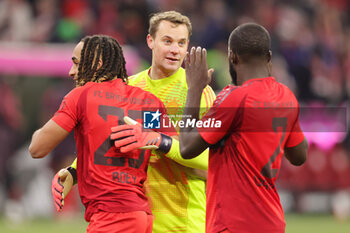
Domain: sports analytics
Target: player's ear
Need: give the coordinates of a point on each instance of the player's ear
(233, 57)
(150, 41)
(269, 56)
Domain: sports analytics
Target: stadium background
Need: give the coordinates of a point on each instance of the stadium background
(311, 55)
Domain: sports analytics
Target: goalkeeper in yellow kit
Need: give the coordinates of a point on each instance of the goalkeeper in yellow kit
(175, 187)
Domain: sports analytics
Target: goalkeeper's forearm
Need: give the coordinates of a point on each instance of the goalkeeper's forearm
(199, 162)
(132, 136)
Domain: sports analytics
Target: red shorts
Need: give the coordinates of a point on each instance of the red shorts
(130, 222)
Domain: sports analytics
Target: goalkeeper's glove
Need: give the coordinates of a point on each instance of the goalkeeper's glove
(61, 185)
(132, 136)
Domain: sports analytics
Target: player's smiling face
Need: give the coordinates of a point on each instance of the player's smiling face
(73, 72)
(169, 47)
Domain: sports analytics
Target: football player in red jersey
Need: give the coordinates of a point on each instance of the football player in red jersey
(259, 123)
(168, 176)
(110, 182)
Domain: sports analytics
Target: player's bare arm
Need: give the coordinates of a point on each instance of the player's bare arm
(46, 139)
(296, 155)
(198, 77)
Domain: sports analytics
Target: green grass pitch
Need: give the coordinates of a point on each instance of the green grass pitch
(295, 224)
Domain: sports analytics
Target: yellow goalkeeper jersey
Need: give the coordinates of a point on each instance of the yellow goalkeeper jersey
(176, 197)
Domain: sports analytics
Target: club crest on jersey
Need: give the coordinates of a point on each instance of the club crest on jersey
(151, 120)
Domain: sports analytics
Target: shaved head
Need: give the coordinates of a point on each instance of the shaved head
(250, 40)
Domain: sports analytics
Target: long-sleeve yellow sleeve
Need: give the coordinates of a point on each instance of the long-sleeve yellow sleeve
(199, 162)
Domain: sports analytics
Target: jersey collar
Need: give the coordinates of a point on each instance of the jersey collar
(257, 79)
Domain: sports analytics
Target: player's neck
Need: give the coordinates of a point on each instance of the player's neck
(156, 73)
(248, 71)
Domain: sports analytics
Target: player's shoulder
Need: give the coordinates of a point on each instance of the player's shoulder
(208, 97)
(137, 77)
(230, 93)
(146, 96)
(286, 89)
(231, 89)
(75, 92)
(258, 86)
(208, 90)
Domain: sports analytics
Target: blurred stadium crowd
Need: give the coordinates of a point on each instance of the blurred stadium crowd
(311, 50)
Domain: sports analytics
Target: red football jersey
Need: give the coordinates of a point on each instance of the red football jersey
(258, 120)
(108, 180)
